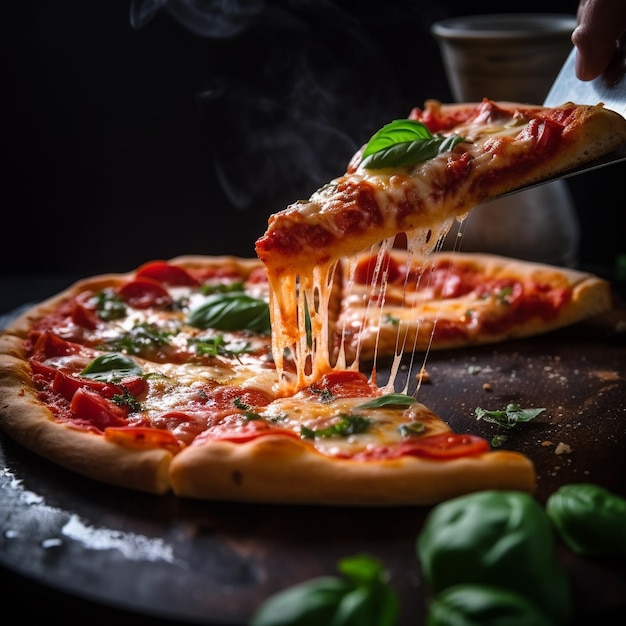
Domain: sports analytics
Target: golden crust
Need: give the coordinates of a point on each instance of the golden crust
(29, 422)
(285, 470)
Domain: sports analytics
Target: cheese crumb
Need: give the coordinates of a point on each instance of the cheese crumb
(562, 448)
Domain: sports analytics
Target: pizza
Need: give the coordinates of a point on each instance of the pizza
(254, 379)
(162, 379)
(413, 179)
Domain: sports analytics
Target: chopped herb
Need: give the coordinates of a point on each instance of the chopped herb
(391, 319)
(509, 417)
(222, 288)
(141, 337)
(127, 399)
(109, 306)
(497, 441)
(347, 425)
(216, 345)
(411, 429)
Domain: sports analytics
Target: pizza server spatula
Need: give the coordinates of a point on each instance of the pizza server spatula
(609, 88)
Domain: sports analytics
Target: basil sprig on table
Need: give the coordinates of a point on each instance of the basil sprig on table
(509, 417)
(405, 142)
(233, 310)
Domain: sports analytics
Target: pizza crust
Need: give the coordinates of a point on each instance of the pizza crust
(284, 470)
(30, 423)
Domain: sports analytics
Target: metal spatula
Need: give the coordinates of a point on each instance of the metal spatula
(609, 88)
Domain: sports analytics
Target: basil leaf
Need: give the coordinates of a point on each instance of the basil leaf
(232, 311)
(398, 131)
(112, 366)
(470, 605)
(389, 399)
(498, 539)
(347, 425)
(362, 598)
(590, 519)
(509, 417)
(405, 142)
(310, 603)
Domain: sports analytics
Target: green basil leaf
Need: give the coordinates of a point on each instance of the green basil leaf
(405, 142)
(232, 311)
(111, 366)
(509, 417)
(499, 539)
(310, 603)
(347, 425)
(479, 605)
(389, 399)
(590, 519)
(398, 131)
(361, 598)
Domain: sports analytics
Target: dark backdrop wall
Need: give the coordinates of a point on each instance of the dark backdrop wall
(132, 138)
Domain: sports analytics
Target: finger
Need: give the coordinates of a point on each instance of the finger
(601, 23)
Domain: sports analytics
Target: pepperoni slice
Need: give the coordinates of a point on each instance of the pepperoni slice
(166, 273)
(144, 293)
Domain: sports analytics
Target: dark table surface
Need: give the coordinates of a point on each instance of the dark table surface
(76, 550)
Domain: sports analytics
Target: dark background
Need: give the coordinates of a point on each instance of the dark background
(181, 134)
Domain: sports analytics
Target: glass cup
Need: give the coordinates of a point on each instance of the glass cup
(514, 57)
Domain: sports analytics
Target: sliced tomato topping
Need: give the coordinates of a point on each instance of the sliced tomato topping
(91, 408)
(47, 345)
(447, 446)
(257, 275)
(144, 293)
(166, 273)
(141, 437)
(83, 316)
(366, 268)
(229, 430)
(437, 447)
(345, 384)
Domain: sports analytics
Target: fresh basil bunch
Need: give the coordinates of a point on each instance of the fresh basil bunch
(361, 598)
(498, 539)
(590, 519)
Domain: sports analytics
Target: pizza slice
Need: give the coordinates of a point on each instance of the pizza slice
(396, 303)
(415, 176)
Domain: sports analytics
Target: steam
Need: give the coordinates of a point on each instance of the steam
(293, 89)
(206, 18)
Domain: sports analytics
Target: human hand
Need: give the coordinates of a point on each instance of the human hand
(600, 25)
